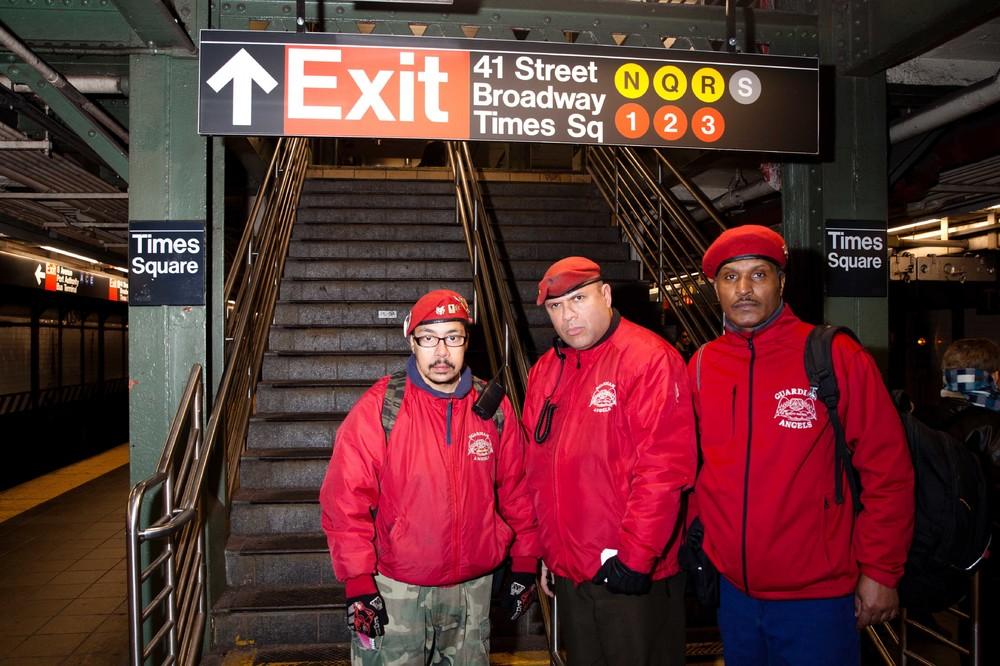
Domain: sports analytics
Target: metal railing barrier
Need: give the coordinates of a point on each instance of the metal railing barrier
(492, 308)
(167, 511)
(910, 638)
(665, 238)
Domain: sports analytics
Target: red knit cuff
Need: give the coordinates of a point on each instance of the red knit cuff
(524, 565)
(359, 585)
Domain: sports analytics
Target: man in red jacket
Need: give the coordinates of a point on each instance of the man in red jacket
(419, 512)
(609, 412)
(800, 571)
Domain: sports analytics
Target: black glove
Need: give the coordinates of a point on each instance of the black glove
(520, 594)
(366, 614)
(622, 580)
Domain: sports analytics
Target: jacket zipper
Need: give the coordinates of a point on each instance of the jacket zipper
(455, 529)
(746, 472)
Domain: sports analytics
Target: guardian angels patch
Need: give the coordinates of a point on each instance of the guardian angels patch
(604, 398)
(480, 446)
(796, 408)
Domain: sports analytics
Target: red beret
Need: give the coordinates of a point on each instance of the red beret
(750, 240)
(437, 305)
(566, 275)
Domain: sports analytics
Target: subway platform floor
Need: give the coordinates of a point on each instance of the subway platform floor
(62, 566)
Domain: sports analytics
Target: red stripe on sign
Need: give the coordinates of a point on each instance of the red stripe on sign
(50, 282)
(112, 294)
(386, 92)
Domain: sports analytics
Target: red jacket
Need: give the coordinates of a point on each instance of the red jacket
(447, 501)
(620, 451)
(765, 491)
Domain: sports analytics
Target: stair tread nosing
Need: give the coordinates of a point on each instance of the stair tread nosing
(289, 453)
(313, 597)
(276, 496)
(292, 417)
(264, 544)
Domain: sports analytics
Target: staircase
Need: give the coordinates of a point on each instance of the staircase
(362, 252)
(542, 222)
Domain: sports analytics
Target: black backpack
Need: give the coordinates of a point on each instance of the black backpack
(951, 535)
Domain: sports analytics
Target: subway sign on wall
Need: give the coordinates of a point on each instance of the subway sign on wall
(340, 85)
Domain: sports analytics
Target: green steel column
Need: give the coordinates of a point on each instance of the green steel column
(168, 162)
(849, 183)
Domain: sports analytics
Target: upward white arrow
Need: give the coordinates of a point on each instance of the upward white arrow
(243, 71)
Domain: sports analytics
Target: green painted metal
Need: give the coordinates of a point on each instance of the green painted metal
(80, 22)
(99, 139)
(155, 25)
(591, 21)
(169, 162)
(850, 182)
(880, 35)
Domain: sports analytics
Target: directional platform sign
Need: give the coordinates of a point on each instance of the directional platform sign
(48, 275)
(318, 84)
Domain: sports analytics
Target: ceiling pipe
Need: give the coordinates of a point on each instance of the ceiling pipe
(58, 81)
(736, 198)
(88, 85)
(965, 102)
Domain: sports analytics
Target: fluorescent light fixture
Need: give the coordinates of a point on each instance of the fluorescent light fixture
(120, 269)
(914, 225)
(68, 254)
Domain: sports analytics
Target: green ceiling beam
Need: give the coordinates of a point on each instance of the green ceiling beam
(155, 25)
(592, 21)
(78, 22)
(884, 34)
(95, 136)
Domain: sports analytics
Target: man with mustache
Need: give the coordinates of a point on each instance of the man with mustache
(420, 509)
(802, 567)
(609, 410)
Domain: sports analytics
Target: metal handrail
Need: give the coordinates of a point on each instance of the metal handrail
(174, 578)
(894, 644)
(490, 279)
(665, 238)
(492, 290)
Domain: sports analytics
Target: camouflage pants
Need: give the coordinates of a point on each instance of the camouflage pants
(446, 626)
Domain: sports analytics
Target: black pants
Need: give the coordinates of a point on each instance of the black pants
(599, 628)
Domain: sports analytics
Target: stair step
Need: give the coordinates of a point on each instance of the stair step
(359, 186)
(275, 511)
(381, 232)
(498, 188)
(391, 200)
(298, 468)
(590, 217)
(343, 313)
(366, 290)
(528, 270)
(395, 250)
(381, 250)
(361, 339)
(319, 398)
(367, 269)
(376, 216)
(294, 431)
(293, 560)
(330, 654)
(537, 203)
(324, 366)
(266, 617)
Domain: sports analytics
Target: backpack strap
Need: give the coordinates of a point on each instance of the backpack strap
(393, 401)
(823, 380)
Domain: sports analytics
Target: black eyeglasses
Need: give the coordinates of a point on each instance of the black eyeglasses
(431, 341)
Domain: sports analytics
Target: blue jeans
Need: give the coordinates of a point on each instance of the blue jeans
(813, 632)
